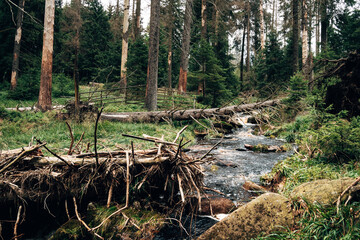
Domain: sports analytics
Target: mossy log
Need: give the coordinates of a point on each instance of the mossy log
(157, 116)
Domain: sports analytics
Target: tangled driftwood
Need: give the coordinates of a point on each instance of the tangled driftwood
(27, 176)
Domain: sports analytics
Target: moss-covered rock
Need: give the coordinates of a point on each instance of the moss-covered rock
(321, 191)
(262, 215)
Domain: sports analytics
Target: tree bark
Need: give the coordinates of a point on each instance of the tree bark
(169, 43)
(324, 24)
(17, 45)
(138, 26)
(44, 103)
(242, 57)
(262, 26)
(317, 30)
(185, 48)
(248, 38)
(304, 33)
(295, 36)
(124, 50)
(203, 19)
(185, 114)
(153, 60)
(77, 25)
(216, 22)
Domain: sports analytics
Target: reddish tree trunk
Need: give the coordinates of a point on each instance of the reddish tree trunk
(184, 60)
(47, 57)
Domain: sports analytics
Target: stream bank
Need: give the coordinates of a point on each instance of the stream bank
(227, 169)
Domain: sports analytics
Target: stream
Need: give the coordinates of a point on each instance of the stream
(230, 166)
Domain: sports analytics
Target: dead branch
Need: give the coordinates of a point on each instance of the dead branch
(21, 155)
(150, 140)
(84, 223)
(57, 156)
(72, 138)
(344, 192)
(95, 136)
(211, 149)
(17, 223)
(178, 134)
(81, 138)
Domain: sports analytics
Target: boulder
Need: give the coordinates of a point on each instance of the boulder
(322, 191)
(262, 215)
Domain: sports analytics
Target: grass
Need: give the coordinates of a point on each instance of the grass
(18, 132)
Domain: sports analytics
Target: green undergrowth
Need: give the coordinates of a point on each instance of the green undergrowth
(18, 129)
(130, 223)
(319, 222)
(328, 147)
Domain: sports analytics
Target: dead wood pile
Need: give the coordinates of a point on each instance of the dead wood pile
(164, 175)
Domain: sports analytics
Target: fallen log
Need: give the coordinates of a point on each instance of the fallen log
(54, 161)
(157, 116)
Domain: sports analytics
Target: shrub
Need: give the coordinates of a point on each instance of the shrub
(27, 87)
(62, 85)
(337, 140)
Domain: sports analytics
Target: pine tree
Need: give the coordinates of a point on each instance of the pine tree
(94, 61)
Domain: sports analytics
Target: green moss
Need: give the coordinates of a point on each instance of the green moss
(141, 224)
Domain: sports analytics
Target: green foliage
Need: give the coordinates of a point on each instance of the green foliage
(345, 34)
(297, 89)
(27, 87)
(137, 62)
(213, 80)
(294, 131)
(337, 140)
(319, 222)
(62, 85)
(94, 61)
(8, 115)
(271, 67)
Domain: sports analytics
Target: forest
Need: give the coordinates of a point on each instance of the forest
(87, 88)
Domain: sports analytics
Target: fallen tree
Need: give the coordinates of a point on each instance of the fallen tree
(157, 116)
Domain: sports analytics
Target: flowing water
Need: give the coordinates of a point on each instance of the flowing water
(229, 166)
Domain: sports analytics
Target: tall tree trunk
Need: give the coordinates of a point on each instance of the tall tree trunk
(76, 73)
(317, 30)
(44, 103)
(17, 45)
(262, 26)
(324, 24)
(124, 51)
(133, 21)
(203, 19)
(273, 16)
(185, 48)
(295, 37)
(138, 26)
(169, 43)
(242, 57)
(201, 86)
(216, 22)
(304, 33)
(152, 73)
(77, 24)
(248, 38)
